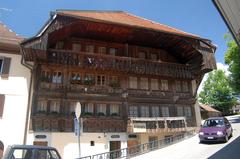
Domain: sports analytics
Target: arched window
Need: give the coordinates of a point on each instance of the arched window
(1, 149)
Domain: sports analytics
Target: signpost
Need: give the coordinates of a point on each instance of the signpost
(77, 125)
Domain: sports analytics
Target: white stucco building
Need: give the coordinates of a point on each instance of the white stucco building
(14, 88)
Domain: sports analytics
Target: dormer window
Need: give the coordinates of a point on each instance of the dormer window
(113, 51)
(142, 55)
(90, 48)
(59, 45)
(102, 50)
(76, 47)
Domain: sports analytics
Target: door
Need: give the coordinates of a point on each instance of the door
(114, 146)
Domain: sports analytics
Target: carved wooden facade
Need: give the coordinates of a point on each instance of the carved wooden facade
(116, 71)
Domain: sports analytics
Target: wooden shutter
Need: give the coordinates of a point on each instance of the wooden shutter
(2, 100)
(6, 67)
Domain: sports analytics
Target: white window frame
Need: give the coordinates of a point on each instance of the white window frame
(76, 47)
(42, 106)
(178, 86)
(155, 111)
(55, 106)
(187, 111)
(102, 80)
(102, 108)
(89, 108)
(90, 48)
(144, 111)
(154, 84)
(111, 52)
(165, 111)
(114, 108)
(102, 50)
(133, 82)
(144, 83)
(164, 85)
(185, 87)
(133, 111)
(180, 111)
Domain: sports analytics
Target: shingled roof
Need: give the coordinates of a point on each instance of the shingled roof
(9, 40)
(123, 18)
(208, 108)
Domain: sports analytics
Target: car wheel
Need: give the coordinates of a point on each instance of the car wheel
(231, 134)
(226, 138)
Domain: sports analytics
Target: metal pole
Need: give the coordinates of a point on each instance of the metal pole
(79, 145)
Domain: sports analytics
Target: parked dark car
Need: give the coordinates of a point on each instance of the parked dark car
(215, 129)
(31, 152)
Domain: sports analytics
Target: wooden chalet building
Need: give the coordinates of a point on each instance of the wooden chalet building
(135, 79)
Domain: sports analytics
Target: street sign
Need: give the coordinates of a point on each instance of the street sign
(78, 110)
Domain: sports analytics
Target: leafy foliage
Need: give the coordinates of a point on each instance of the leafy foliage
(232, 58)
(217, 92)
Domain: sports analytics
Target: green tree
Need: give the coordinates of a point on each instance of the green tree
(232, 58)
(216, 92)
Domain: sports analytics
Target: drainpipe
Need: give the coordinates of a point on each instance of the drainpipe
(30, 67)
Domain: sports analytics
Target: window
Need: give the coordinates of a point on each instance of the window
(155, 111)
(165, 111)
(187, 111)
(42, 106)
(88, 109)
(178, 86)
(114, 109)
(144, 83)
(2, 102)
(133, 82)
(113, 51)
(76, 47)
(90, 48)
(55, 107)
(114, 81)
(164, 85)
(76, 78)
(144, 111)
(4, 67)
(1, 65)
(133, 111)
(57, 77)
(92, 143)
(101, 80)
(59, 45)
(142, 55)
(154, 84)
(89, 79)
(185, 86)
(72, 107)
(153, 57)
(101, 109)
(102, 50)
(180, 111)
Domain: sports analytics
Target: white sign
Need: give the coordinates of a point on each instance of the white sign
(139, 127)
(78, 110)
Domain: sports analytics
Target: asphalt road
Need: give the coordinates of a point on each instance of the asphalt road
(192, 149)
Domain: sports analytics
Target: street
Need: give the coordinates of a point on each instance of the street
(192, 149)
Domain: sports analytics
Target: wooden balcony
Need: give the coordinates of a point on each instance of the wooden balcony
(76, 90)
(156, 124)
(104, 124)
(117, 63)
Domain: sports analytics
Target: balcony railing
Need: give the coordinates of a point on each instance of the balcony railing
(156, 124)
(76, 90)
(116, 63)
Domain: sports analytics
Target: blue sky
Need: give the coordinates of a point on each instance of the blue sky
(200, 17)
